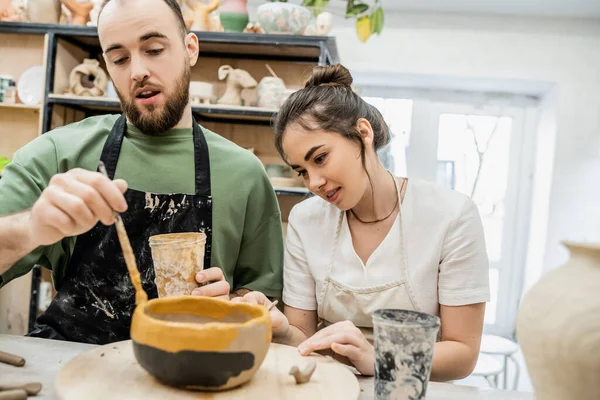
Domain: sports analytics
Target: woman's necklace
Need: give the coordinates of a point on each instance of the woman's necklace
(391, 212)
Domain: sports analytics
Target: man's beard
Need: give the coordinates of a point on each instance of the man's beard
(154, 122)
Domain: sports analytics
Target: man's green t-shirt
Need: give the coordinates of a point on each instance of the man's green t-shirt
(247, 242)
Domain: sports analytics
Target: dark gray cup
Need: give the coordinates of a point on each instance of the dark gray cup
(404, 342)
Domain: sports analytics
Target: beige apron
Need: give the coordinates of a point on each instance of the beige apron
(339, 302)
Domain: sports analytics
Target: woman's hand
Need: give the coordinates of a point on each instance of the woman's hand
(345, 339)
(279, 322)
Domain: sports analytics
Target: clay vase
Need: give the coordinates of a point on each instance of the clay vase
(200, 343)
(234, 15)
(558, 327)
(44, 11)
(270, 92)
(88, 79)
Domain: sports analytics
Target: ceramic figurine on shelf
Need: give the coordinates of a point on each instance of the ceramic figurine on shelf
(199, 16)
(233, 14)
(88, 79)
(254, 27)
(201, 92)
(15, 11)
(270, 92)
(324, 23)
(237, 80)
(80, 11)
(44, 11)
(95, 12)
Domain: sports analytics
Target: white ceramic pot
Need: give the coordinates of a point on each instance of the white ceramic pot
(283, 18)
(270, 92)
(558, 328)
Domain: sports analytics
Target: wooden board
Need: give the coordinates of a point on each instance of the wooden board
(112, 372)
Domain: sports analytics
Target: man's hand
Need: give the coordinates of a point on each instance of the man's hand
(345, 339)
(73, 203)
(213, 284)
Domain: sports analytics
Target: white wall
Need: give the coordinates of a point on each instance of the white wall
(564, 54)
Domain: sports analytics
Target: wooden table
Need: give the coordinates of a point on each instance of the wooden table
(46, 357)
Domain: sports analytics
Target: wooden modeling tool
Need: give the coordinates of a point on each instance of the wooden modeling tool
(273, 304)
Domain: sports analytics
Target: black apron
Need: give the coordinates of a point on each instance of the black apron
(96, 299)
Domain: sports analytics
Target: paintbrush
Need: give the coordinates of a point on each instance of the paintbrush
(140, 294)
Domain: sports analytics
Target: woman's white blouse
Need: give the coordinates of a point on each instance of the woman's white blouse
(444, 244)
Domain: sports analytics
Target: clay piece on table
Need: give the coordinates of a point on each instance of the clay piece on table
(15, 394)
(32, 388)
(237, 80)
(88, 79)
(302, 375)
(80, 11)
(11, 359)
(200, 16)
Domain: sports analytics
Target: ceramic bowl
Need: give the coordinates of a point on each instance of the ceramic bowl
(283, 18)
(200, 343)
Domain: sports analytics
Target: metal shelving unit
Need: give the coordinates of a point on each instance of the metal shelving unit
(252, 49)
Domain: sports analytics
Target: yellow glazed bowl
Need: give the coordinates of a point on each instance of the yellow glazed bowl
(200, 343)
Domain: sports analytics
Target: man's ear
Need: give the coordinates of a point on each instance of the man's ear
(192, 47)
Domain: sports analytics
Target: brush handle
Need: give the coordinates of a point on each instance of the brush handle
(140, 295)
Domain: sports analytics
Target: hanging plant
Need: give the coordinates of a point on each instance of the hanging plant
(369, 18)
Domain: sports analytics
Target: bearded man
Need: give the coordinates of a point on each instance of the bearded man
(166, 174)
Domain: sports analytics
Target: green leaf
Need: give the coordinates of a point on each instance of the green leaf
(377, 21)
(356, 9)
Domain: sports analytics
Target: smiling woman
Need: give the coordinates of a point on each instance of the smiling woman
(369, 240)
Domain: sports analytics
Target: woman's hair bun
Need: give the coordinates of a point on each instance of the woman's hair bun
(331, 75)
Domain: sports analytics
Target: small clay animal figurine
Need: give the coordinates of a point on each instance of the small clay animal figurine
(201, 17)
(237, 79)
(303, 375)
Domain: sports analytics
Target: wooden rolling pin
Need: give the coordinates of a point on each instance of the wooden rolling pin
(16, 394)
(32, 388)
(11, 359)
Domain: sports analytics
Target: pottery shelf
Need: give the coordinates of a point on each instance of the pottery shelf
(18, 106)
(321, 49)
(208, 111)
(59, 49)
